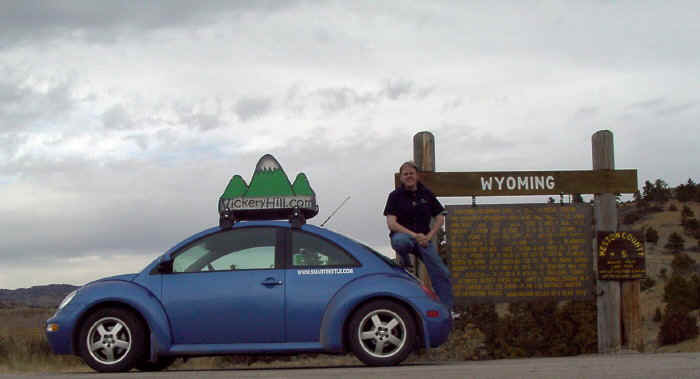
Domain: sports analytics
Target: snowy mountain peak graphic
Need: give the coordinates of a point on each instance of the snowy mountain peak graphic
(267, 163)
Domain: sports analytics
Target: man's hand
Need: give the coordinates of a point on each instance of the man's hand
(422, 239)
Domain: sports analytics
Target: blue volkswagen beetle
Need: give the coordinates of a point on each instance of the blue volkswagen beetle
(251, 287)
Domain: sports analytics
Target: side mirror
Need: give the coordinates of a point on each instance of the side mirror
(165, 267)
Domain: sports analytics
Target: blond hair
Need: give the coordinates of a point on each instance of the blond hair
(409, 164)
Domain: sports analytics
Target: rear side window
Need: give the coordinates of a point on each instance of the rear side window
(238, 249)
(308, 250)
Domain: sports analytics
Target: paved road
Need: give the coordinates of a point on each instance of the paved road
(638, 366)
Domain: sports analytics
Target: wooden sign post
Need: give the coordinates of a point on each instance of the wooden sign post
(424, 157)
(608, 300)
(617, 310)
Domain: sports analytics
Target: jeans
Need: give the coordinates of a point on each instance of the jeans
(439, 275)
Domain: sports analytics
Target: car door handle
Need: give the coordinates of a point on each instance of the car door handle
(269, 282)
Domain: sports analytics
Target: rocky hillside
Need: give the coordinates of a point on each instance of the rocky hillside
(665, 221)
(48, 296)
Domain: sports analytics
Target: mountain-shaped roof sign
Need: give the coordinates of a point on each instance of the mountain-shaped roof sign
(269, 196)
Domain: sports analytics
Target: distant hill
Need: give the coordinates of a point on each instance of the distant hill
(48, 296)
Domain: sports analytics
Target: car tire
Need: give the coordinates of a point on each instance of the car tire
(159, 365)
(382, 333)
(112, 340)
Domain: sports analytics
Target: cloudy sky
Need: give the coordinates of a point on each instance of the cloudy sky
(122, 122)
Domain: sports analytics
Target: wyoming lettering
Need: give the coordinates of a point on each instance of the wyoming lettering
(520, 182)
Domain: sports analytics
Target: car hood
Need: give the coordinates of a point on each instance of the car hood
(124, 277)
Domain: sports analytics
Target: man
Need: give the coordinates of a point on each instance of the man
(408, 211)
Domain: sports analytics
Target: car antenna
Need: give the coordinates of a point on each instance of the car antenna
(336, 210)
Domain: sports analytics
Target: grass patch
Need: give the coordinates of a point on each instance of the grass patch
(23, 344)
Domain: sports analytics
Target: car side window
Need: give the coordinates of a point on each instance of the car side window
(308, 250)
(237, 249)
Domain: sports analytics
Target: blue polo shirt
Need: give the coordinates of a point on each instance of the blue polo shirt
(413, 209)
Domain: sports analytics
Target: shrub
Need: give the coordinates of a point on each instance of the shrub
(687, 213)
(683, 264)
(647, 283)
(658, 191)
(681, 293)
(677, 326)
(691, 225)
(470, 332)
(4, 351)
(652, 235)
(687, 192)
(544, 329)
(675, 243)
(631, 218)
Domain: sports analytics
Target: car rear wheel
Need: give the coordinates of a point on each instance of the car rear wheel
(382, 333)
(112, 340)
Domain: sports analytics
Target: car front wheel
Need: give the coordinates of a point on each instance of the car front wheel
(382, 333)
(112, 340)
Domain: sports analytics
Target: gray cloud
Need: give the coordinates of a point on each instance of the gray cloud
(27, 20)
(676, 109)
(116, 117)
(10, 143)
(338, 99)
(252, 108)
(131, 152)
(22, 106)
(394, 89)
(646, 104)
(661, 106)
(586, 112)
(142, 141)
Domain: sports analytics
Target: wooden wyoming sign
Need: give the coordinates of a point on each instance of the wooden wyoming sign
(506, 253)
(517, 183)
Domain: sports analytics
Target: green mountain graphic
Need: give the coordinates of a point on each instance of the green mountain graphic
(269, 183)
(269, 196)
(236, 188)
(301, 186)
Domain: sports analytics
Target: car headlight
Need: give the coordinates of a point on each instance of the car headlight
(67, 299)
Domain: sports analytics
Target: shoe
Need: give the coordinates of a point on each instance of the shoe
(455, 315)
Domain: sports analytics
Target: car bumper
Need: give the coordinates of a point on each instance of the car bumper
(437, 321)
(60, 336)
(438, 330)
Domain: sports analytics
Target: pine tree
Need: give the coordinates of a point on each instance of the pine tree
(686, 213)
(675, 243)
(687, 192)
(658, 191)
(652, 235)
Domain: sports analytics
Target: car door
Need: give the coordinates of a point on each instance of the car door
(317, 269)
(227, 288)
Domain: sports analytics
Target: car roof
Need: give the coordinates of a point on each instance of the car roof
(323, 232)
